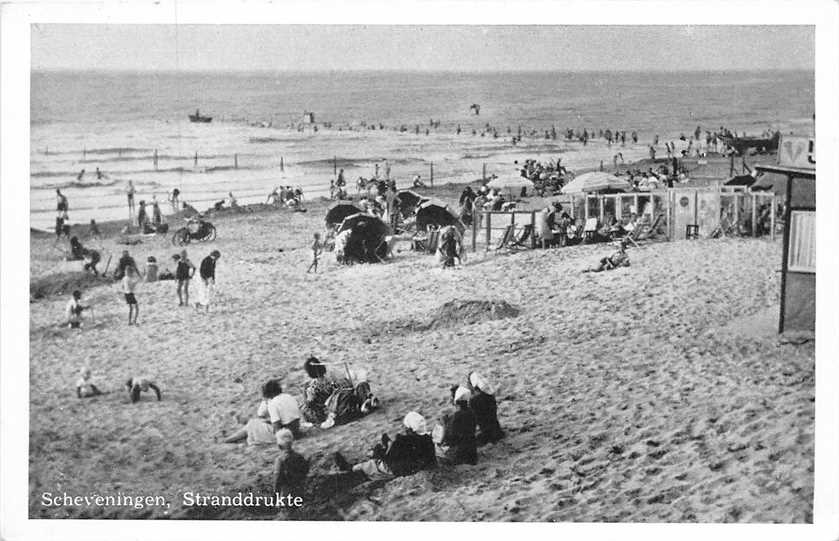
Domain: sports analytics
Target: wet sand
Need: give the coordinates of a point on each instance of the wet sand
(643, 394)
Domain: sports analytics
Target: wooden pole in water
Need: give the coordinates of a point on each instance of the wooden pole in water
(335, 166)
(196, 159)
(235, 161)
(84, 153)
(484, 173)
(282, 165)
(432, 174)
(155, 159)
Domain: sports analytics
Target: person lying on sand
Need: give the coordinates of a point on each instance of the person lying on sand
(74, 310)
(455, 437)
(290, 467)
(483, 405)
(618, 259)
(136, 385)
(84, 385)
(406, 454)
(258, 430)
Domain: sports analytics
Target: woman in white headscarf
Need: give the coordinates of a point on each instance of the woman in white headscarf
(407, 454)
(483, 405)
(455, 438)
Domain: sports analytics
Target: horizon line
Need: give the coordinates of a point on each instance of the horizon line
(419, 71)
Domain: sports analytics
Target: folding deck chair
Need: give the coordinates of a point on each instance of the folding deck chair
(507, 238)
(590, 230)
(525, 236)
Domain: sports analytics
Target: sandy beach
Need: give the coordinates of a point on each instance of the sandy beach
(658, 392)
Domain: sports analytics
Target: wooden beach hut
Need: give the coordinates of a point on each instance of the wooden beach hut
(797, 162)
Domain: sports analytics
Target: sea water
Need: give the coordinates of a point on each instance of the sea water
(259, 139)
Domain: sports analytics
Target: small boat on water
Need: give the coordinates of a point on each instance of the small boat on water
(198, 118)
(744, 143)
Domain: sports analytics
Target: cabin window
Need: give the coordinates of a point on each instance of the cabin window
(802, 241)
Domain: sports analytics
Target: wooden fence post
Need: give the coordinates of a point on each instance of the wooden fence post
(432, 174)
(489, 229)
(196, 159)
(282, 164)
(754, 215)
(484, 173)
(476, 219)
(235, 161)
(772, 218)
(155, 159)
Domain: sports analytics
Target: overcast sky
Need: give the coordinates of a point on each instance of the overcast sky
(460, 48)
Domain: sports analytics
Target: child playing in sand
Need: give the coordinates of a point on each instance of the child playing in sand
(84, 385)
(317, 249)
(290, 468)
(129, 285)
(74, 310)
(137, 384)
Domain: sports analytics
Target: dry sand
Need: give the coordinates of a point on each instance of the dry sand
(633, 395)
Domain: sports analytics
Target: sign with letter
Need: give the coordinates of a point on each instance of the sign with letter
(797, 152)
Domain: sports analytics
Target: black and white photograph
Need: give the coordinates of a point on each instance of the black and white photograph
(445, 272)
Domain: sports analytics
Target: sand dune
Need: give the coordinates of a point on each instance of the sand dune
(631, 395)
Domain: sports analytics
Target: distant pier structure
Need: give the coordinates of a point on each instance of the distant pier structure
(308, 117)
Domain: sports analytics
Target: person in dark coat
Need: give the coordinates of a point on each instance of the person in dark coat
(407, 454)
(290, 467)
(457, 443)
(485, 408)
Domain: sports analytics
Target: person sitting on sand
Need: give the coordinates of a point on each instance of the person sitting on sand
(418, 183)
(76, 250)
(290, 467)
(483, 405)
(231, 201)
(173, 199)
(184, 272)
(274, 198)
(317, 391)
(406, 454)
(84, 385)
(351, 399)
(283, 411)
(138, 384)
(74, 310)
(258, 430)
(618, 259)
(455, 438)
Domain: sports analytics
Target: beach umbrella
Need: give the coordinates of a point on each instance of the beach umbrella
(437, 213)
(409, 200)
(367, 238)
(338, 211)
(597, 182)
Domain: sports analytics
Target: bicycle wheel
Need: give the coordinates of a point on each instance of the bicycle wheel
(180, 237)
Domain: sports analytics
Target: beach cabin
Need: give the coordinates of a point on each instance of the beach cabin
(797, 162)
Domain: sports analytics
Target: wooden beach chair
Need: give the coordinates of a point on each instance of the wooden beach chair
(525, 237)
(646, 231)
(507, 238)
(590, 230)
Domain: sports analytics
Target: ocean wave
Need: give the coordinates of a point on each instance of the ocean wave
(77, 184)
(262, 140)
